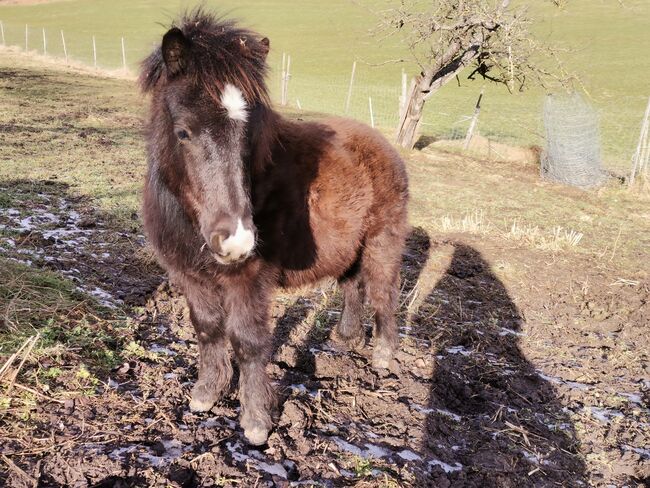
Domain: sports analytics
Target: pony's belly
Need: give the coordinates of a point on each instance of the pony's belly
(337, 235)
(321, 269)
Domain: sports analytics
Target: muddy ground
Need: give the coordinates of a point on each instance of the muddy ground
(542, 383)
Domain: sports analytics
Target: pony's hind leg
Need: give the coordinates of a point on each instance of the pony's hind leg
(215, 369)
(380, 270)
(350, 329)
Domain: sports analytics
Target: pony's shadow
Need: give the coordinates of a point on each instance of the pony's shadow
(492, 420)
(302, 364)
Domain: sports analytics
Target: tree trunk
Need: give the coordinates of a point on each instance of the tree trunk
(411, 117)
(424, 86)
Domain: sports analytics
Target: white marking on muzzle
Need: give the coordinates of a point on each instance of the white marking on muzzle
(239, 244)
(233, 100)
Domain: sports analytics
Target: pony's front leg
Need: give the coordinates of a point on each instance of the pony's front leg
(247, 328)
(215, 369)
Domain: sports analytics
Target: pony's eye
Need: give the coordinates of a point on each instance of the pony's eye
(182, 135)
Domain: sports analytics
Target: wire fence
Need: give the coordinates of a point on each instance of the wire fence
(370, 96)
(100, 51)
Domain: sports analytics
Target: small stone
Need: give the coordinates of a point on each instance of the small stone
(68, 406)
(86, 222)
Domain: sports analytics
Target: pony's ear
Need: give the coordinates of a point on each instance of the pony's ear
(252, 48)
(266, 46)
(175, 51)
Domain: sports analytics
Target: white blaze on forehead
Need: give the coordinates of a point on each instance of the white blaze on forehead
(233, 100)
(239, 243)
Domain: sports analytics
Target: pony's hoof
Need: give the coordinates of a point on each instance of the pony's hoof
(203, 398)
(354, 343)
(200, 405)
(382, 358)
(256, 436)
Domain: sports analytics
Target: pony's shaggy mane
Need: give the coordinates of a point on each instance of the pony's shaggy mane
(220, 53)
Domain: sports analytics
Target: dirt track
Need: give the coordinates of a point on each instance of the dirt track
(542, 384)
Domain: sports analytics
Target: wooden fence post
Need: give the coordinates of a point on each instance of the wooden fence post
(402, 98)
(123, 55)
(372, 116)
(349, 97)
(645, 150)
(2, 31)
(26, 38)
(472, 125)
(287, 76)
(44, 43)
(65, 51)
(637, 160)
(283, 73)
(94, 53)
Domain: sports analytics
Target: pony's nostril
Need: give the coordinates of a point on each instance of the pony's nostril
(216, 241)
(234, 245)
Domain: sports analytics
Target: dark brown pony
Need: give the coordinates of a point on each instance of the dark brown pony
(239, 200)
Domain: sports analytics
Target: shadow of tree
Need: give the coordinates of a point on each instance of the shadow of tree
(491, 419)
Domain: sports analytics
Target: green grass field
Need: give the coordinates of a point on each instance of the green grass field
(609, 42)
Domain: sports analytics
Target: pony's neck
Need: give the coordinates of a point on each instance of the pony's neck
(263, 133)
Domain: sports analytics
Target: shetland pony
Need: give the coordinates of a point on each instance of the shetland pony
(239, 200)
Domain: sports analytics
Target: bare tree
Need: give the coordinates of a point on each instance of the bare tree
(484, 38)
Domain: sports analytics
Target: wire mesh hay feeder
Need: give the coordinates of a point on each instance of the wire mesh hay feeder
(573, 153)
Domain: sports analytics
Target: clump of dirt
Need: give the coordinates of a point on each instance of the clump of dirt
(493, 387)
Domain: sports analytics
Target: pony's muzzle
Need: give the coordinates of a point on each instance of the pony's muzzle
(232, 247)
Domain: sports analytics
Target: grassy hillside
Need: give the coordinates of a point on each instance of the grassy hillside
(324, 41)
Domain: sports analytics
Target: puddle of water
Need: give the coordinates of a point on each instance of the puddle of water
(643, 452)
(370, 451)
(447, 468)
(223, 422)
(158, 349)
(562, 426)
(604, 415)
(375, 451)
(458, 350)
(103, 297)
(559, 381)
(274, 469)
(505, 331)
(118, 453)
(441, 411)
(409, 455)
(633, 398)
(531, 458)
(173, 450)
(449, 414)
(300, 388)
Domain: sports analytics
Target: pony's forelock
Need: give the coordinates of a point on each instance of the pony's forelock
(221, 53)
